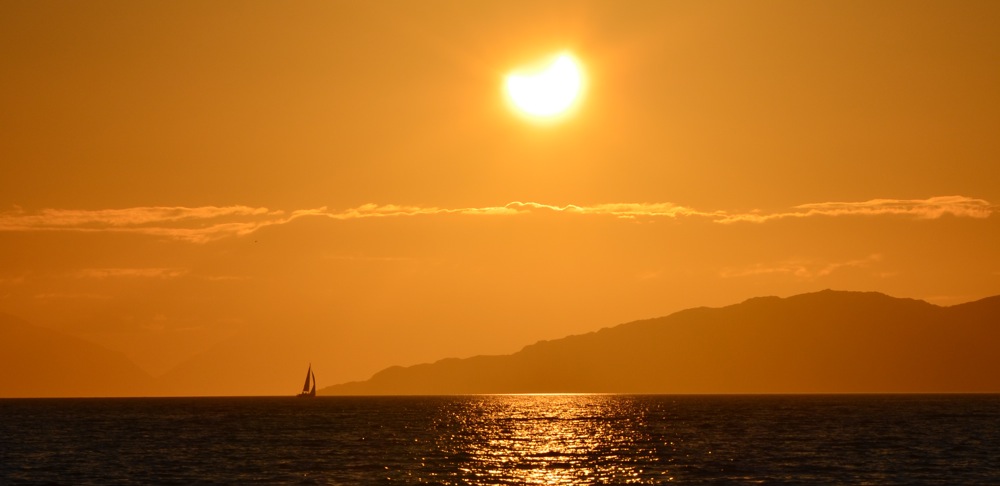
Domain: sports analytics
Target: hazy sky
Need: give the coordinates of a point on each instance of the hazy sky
(342, 183)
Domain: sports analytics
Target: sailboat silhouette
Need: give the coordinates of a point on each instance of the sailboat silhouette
(310, 378)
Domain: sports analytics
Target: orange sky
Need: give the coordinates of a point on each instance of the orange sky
(342, 183)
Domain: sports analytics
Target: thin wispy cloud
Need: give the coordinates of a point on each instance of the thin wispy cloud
(195, 225)
(140, 215)
(210, 223)
(12, 280)
(104, 273)
(364, 258)
(802, 269)
(619, 210)
(622, 210)
(931, 208)
(71, 296)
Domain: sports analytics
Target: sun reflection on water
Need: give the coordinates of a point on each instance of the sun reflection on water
(551, 439)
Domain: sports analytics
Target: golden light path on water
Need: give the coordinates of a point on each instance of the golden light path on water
(473, 440)
(555, 439)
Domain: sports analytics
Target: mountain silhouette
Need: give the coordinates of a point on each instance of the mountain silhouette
(822, 342)
(40, 362)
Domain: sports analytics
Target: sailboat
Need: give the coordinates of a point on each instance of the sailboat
(308, 391)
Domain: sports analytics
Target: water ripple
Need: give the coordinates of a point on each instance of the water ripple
(504, 439)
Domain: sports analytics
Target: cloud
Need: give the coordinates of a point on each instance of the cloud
(362, 258)
(223, 278)
(12, 280)
(102, 273)
(71, 296)
(931, 208)
(210, 223)
(625, 210)
(195, 225)
(803, 269)
(618, 210)
(392, 210)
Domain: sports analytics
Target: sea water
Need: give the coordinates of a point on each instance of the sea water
(504, 439)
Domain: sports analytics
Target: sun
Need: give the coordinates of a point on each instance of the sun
(547, 90)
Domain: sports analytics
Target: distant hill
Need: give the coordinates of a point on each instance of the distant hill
(823, 342)
(39, 362)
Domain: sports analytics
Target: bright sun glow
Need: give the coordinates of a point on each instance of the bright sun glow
(548, 91)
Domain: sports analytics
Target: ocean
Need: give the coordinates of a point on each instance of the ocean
(504, 439)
